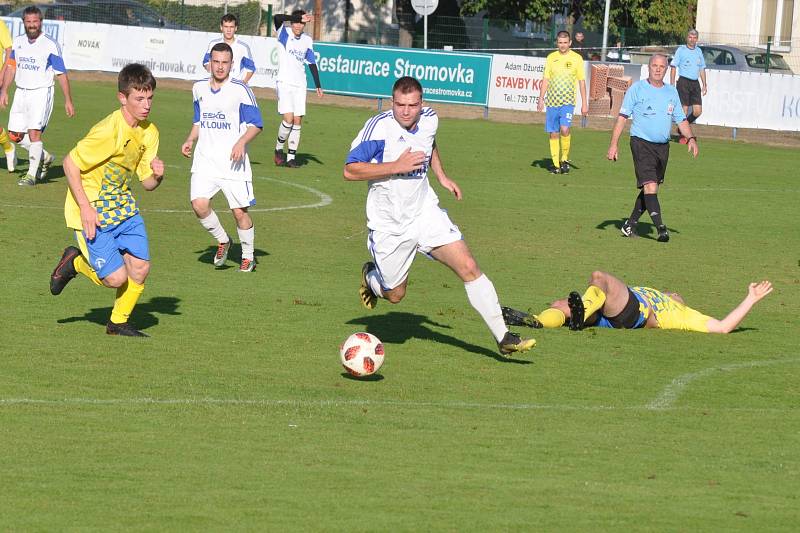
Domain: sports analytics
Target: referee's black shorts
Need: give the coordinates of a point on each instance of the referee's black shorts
(689, 91)
(649, 161)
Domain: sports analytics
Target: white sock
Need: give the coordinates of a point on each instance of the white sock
(283, 133)
(25, 142)
(483, 298)
(34, 157)
(246, 237)
(211, 223)
(294, 140)
(374, 282)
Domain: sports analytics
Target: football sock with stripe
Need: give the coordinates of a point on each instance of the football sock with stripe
(691, 118)
(212, 224)
(552, 318)
(565, 144)
(283, 133)
(294, 140)
(593, 300)
(483, 297)
(127, 296)
(638, 209)
(374, 282)
(82, 266)
(555, 152)
(653, 208)
(35, 157)
(246, 237)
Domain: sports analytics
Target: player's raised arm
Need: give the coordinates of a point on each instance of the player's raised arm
(755, 292)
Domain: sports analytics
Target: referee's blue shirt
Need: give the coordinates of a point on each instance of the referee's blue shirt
(688, 61)
(653, 110)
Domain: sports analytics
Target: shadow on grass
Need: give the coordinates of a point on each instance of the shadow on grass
(302, 160)
(143, 317)
(397, 328)
(645, 230)
(234, 256)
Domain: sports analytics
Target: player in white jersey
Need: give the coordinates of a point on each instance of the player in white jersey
(295, 49)
(243, 65)
(226, 119)
(35, 61)
(393, 152)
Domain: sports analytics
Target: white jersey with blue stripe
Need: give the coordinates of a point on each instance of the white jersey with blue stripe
(242, 58)
(222, 117)
(395, 201)
(37, 61)
(293, 54)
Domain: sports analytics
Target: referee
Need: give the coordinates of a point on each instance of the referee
(653, 106)
(691, 68)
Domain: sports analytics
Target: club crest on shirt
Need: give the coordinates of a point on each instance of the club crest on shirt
(670, 108)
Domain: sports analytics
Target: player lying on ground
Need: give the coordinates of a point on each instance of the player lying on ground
(610, 303)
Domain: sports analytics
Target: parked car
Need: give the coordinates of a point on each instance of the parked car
(121, 12)
(746, 58)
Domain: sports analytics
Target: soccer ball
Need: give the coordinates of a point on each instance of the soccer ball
(361, 354)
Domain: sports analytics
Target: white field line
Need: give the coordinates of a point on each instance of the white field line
(344, 403)
(324, 200)
(667, 397)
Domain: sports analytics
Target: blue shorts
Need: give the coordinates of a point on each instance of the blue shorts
(109, 243)
(631, 317)
(557, 117)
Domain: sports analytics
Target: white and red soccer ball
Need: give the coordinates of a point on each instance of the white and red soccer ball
(361, 354)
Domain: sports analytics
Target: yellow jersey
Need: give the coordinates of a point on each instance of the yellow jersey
(109, 157)
(668, 312)
(562, 71)
(5, 39)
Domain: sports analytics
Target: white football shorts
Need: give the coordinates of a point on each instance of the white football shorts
(291, 99)
(393, 254)
(239, 193)
(31, 109)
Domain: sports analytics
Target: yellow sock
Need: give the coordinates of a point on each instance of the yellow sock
(552, 318)
(5, 142)
(127, 296)
(554, 150)
(82, 265)
(593, 300)
(565, 141)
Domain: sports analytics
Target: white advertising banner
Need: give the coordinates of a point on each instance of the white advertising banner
(752, 100)
(516, 81)
(168, 53)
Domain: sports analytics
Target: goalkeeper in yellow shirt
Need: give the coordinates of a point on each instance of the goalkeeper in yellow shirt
(610, 303)
(113, 249)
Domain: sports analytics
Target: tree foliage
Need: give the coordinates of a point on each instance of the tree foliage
(643, 16)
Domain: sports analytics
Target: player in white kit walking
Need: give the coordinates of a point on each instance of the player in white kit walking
(36, 60)
(243, 66)
(295, 49)
(226, 119)
(393, 152)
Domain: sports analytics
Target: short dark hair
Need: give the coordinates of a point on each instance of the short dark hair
(229, 17)
(222, 47)
(297, 15)
(135, 76)
(406, 85)
(563, 33)
(32, 10)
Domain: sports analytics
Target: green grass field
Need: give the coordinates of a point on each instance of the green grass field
(236, 414)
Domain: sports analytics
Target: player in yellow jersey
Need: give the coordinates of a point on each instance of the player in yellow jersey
(100, 206)
(557, 91)
(8, 147)
(610, 303)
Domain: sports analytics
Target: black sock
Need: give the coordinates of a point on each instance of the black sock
(638, 209)
(653, 208)
(691, 118)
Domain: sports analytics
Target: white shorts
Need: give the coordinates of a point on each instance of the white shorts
(31, 109)
(291, 99)
(238, 192)
(393, 254)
